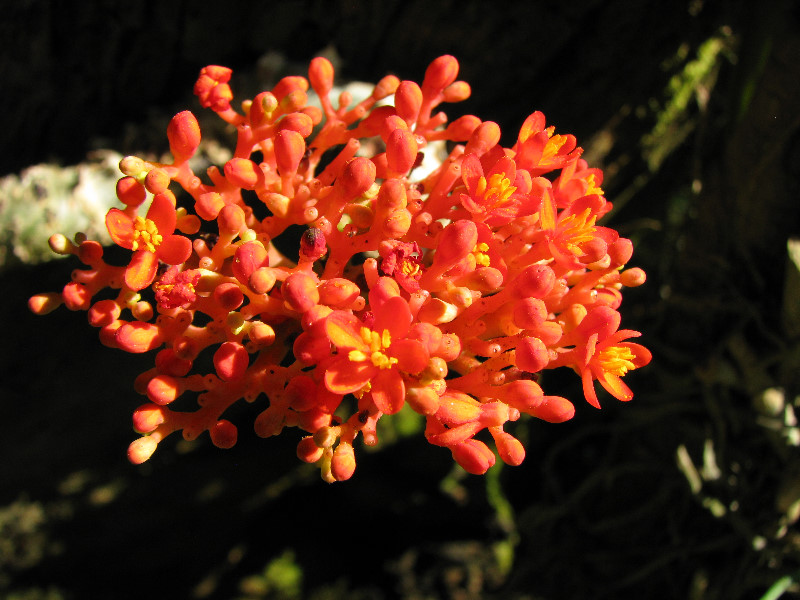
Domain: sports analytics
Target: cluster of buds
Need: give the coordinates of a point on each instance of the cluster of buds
(449, 293)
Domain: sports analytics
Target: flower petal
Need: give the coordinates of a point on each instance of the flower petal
(395, 316)
(120, 228)
(411, 355)
(388, 391)
(344, 331)
(615, 386)
(142, 270)
(174, 249)
(344, 376)
(162, 213)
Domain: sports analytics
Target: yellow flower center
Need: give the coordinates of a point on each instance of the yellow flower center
(617, 360)
(593, 187)
(576, 230)
(479, 252)
(497, 190)
(378, 343)
(553, 144)
(145, 233)
(410, 268)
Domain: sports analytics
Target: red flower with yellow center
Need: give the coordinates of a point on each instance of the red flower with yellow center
(498, 196)
(151, 238)
(374, 359)
(601, 353)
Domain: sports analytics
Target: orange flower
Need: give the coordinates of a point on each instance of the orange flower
(374, 359)
(498, 196)
(151, 238)
(601, 354)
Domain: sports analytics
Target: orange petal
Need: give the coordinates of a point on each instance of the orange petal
(588, 388)
(174, 249)
(388, 391)
(616, 387)
(343, 330)
(411, 355)
(162, 213)
(393, 315)
(120, 228)
(142, 270)
(346, 377)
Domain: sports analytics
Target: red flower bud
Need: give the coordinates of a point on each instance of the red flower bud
(532, 355)
(147, 417)
(130, 191)
(440, 73)
(142, 449)
(401, 152)
(407, 101)
(243, 173)
(289, 150)
(473, 456)
(343, 464)
(163, 389)
(320, 74)
(247, 258)
(231, 361)
(300, 292)
(183, 133)
(223, 434)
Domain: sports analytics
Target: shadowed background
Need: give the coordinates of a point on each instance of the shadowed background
(689, 491)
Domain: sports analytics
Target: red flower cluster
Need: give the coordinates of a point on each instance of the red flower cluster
(448, 294)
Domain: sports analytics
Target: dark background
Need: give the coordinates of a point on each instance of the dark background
(706, 186)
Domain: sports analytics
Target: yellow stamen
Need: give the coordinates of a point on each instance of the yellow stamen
(617, 360)
(496, 191)
(553, 144)
(593, 187)
(146, 233)
(479, 252)
(378, 343)
(577, 230)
